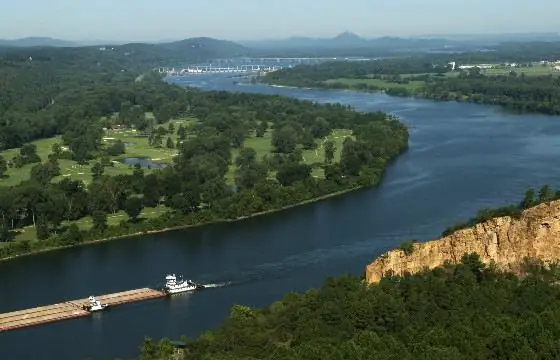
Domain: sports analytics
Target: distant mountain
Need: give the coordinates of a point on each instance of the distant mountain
(349, 40)
(184, 51)
(37, 41)
(498, 38)
(132, 55)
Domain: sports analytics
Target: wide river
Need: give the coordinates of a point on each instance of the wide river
(462, 157)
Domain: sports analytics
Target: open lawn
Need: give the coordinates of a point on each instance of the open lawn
(382, 84)
(136, 147)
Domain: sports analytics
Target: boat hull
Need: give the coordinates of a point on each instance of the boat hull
(93, 309)
(169, 291)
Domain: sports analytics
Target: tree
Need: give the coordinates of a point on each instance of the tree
(97, 170)
(53, 167)
(29, 153)
(42, 230)
(246, 157)
(41, 174)
(330, 149)
(529, 199)
(99, 219)
(292, 172)
(169, 144)
(148, 350)
(545, 194)
(284, 140)
(56, 149)
(181, 132)
(133, 207)
(171, 128)
(3, 167)
(73, 235)
(116, 149)
(157, 141)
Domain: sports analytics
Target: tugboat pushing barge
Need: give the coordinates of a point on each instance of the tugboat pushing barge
(94, 305)
(174, 286)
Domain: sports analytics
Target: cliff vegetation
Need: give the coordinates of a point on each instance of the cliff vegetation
(503, 236)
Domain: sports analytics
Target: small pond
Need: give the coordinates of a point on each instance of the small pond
(144, 162)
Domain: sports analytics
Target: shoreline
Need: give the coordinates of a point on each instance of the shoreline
(183, 227)
(413, 95)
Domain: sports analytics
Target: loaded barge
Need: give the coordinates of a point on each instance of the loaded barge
(84, 307)
(72, 309)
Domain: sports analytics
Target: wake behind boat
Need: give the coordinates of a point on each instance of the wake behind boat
(174, 286)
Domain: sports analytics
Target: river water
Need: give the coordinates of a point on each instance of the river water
(462, 157)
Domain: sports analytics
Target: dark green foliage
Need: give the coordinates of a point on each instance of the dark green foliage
(82, 98)
(464, 311)
(521, 93)
(133, 206)
(515, 211)
(408, 247)
(116, 149)
(3, 167)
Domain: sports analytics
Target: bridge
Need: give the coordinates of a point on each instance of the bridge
(209, 69)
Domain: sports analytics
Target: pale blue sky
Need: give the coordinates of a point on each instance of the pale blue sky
(152, 20)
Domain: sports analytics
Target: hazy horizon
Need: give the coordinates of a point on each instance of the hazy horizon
(150, 21)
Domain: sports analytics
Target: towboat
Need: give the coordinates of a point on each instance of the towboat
(94, 305)
(174, 286)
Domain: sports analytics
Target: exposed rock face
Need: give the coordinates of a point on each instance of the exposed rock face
(505, 240)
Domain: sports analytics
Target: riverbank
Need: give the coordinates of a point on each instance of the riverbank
(183, 227)
(522, 95)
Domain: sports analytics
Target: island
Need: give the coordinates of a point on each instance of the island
(109, 149)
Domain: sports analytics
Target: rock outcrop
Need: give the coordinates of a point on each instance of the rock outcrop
(505, 240)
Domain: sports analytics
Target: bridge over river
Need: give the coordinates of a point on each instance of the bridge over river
(246, 65)
(211, 69)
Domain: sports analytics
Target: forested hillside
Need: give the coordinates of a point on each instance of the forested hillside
(45, 90)
(468, 311)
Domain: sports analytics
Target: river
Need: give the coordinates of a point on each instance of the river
(462, 157)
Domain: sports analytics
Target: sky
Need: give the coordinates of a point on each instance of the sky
(153, 20)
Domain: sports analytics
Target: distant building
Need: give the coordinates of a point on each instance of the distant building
(480, 66)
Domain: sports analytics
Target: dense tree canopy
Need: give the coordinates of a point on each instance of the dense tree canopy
(465, 311)
(195, 185)
(523, 93)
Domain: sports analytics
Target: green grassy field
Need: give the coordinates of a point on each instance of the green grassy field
(137, 146)
(412, 85)
(263, 146)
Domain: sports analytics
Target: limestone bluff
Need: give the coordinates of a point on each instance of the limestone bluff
(505, 240)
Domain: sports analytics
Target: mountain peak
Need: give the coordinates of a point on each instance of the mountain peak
(348, 35)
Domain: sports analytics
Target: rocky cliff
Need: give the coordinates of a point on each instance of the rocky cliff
(505, 240)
